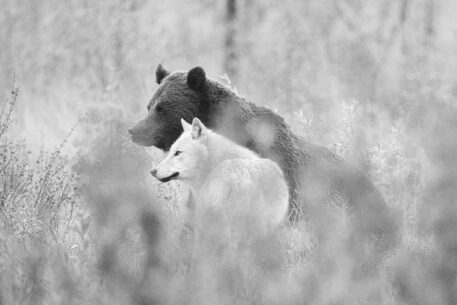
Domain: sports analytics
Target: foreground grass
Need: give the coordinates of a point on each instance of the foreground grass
(98, 231)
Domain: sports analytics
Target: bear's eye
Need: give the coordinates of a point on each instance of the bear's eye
(178, 152)
(148, 107)
(159, 108)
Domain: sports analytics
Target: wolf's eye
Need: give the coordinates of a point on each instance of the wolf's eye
(178, 152)
(149, 106)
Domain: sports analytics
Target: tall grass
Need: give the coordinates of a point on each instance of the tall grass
(39, 203)
(98, 229)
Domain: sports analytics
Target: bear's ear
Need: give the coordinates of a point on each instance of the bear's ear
(196, 79)
(161, 73)
(186, 126)
(198, 129)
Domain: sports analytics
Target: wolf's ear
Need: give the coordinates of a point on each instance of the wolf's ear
(186, 126)
(161, 73)
(196, 79)
(198, 129)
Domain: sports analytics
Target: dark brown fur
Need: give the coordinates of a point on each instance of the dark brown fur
(315, 175)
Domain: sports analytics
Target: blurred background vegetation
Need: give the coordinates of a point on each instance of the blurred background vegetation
(374, 81)
(290, 55)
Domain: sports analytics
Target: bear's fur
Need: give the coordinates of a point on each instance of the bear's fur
(315, 176)
(250, 191)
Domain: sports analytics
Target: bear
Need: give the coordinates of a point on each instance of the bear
(317, 178)
(250, 191)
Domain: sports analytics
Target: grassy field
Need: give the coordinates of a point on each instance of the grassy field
(96, 229)
(83, 222)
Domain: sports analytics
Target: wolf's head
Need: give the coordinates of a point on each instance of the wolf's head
(187, 156)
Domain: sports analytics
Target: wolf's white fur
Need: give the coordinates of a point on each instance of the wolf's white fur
(250, 191)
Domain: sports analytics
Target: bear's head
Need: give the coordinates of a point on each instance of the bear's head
(180, 95)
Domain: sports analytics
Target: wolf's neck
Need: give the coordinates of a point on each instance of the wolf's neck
(220, 149)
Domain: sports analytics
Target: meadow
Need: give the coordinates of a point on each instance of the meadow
(82, 220)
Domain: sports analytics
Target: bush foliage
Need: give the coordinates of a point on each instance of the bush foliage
(84, 223)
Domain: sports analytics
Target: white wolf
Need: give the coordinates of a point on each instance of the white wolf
(249, 191)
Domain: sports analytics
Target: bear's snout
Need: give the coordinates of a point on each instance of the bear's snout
(133, 131)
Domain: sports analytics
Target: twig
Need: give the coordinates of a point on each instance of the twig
(51, 161)
(12, 102)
